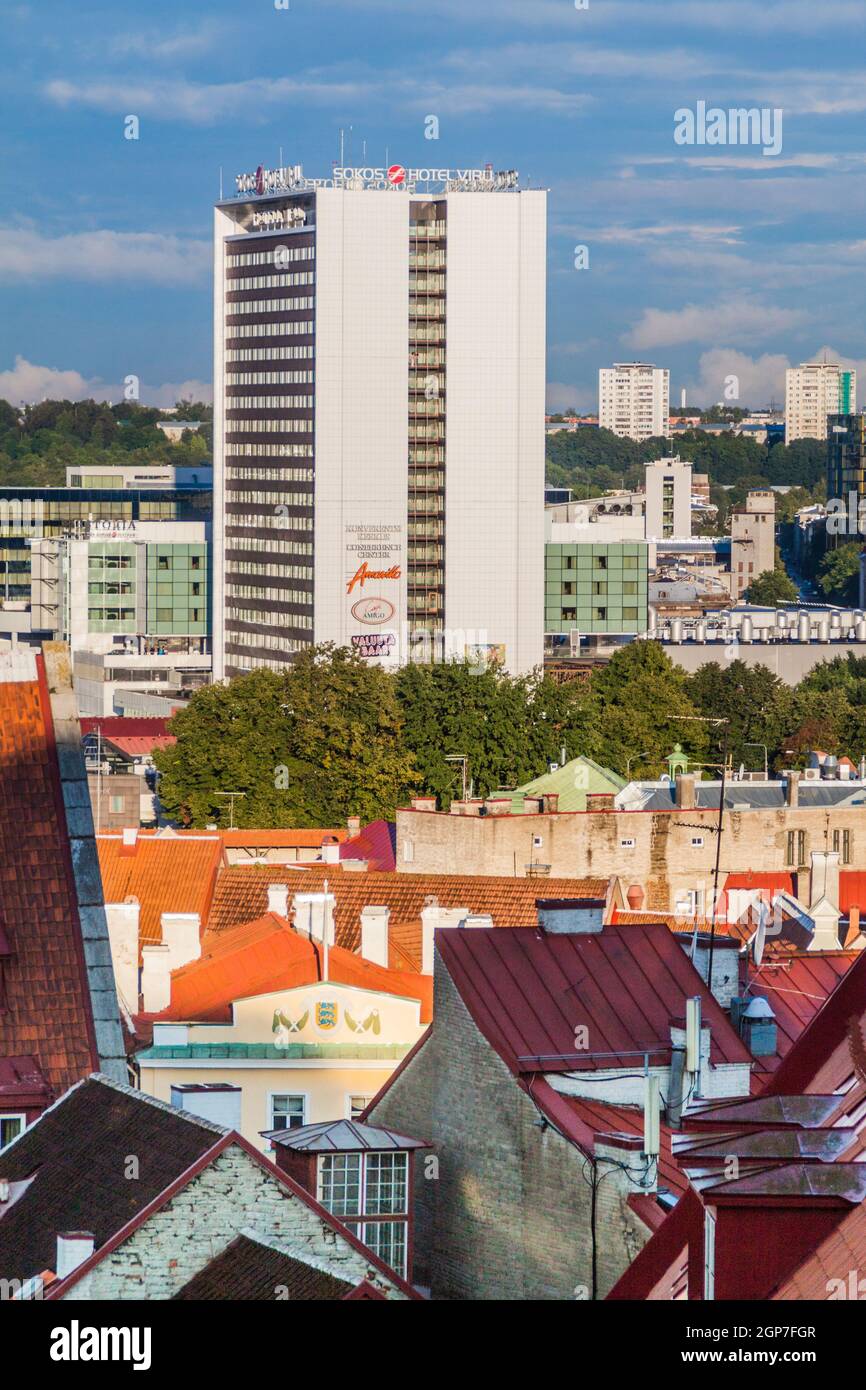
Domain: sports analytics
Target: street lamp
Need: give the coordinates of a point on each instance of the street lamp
(633, 759)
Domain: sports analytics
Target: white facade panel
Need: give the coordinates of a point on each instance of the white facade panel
(494, 488)
(362, 373)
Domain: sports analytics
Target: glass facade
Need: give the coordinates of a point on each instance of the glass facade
(596, 588)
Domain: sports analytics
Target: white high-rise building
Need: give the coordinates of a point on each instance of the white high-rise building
(813, 391)
(634, 400)
(668, 512)
(379, 384)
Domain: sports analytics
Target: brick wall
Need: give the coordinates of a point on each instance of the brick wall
(231, 1195)
(508, 1216)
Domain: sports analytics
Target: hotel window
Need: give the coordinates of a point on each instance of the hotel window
(10, 1127)
(287, 1112)
(842, 844)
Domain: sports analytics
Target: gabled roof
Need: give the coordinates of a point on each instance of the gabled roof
(267, 955)
(377, 843)
(527, 991)
(54, 981)
(139, 746)
(570, 783)
(341, 1136)
(173, 873)
(241, 894)
(250, 1269)
(77, 1156)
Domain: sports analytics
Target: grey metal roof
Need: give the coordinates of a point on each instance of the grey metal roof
(340, 1136)
(756, 796)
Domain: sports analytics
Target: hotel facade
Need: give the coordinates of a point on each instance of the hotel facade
(379, 417)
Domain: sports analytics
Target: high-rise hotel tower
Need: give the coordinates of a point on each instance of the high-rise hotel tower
(379, 417)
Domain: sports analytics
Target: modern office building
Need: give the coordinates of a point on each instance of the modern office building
(596, 591)
(846, 479)
(813, 391)
(668, 499)
(132, 605)
(379, 416)
(634, 400)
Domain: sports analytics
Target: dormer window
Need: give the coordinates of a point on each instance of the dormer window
(369, 1187)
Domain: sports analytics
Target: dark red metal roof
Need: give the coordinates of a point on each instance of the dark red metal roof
(376, 843)
(795, 986)
(529, 992)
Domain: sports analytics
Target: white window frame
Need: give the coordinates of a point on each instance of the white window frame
(354, 1095)
(14, 1115)
(697, 841)
(627, 844)
(288, 1095)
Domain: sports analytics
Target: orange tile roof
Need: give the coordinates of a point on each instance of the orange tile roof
(242, 894)
(171, 874)
(46, 1011)
(268, 954)
(280, 838)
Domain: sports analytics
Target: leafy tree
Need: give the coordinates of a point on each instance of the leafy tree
(771, 588)
(306, 748)
(757, 704)
(642, 707)
(839, 574)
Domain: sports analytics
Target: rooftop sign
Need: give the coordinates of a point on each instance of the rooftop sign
(291, 179)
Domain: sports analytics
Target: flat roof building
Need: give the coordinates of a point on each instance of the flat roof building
(379, 416)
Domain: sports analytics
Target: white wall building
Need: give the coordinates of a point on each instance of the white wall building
(668, 499)
(379, 386)
(813, 391)
(634, 400)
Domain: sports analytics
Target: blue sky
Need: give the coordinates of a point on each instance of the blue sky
(709, 260)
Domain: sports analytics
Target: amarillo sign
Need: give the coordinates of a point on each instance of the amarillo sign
(373, 611)
(363, 573)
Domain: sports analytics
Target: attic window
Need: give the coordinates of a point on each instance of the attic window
(10, 1127)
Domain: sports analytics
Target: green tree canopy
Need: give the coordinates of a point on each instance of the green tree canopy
(772, 587)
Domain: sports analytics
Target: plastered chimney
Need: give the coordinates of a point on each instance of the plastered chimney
(181, 933)
(278, 899)
(155, 978)
(374, 934)
(73, 1248)
(123, 926)
(433, 916)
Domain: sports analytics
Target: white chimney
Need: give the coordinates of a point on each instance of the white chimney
(314, 915)
(374, 934)
(155, 978)
(478, 919)
(130, 836)
(123, 927)
(433, 916)
(181, 933)
(73, 1248)
(330, 851)
(278, 899)
(824, 881)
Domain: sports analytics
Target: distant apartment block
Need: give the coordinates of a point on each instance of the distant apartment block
(634, 400)
(813, 391)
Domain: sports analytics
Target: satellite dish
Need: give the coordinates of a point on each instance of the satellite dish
(759, 940)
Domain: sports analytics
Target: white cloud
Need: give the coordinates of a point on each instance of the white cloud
(731, 321)
(760, 379)
(29, 382)
(26, 253)
(561, 396)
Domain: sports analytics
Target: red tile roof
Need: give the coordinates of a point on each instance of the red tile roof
(139, 747)
(47, 1013)
(171, 874)
(267, 955)
(125, 728)
(771, 882)
(280, 838)
(241, 894)
(529, 991)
